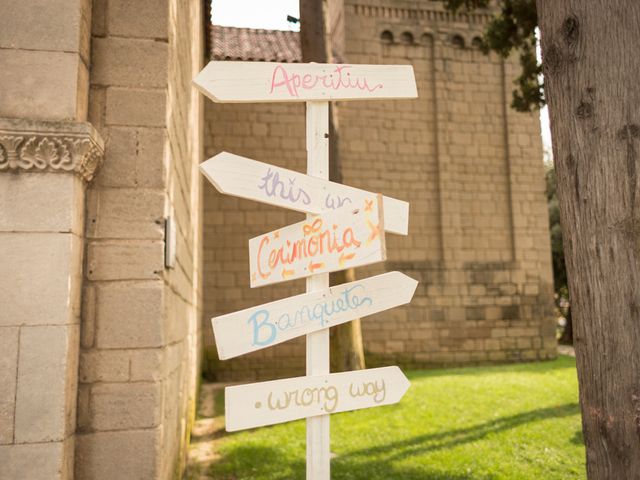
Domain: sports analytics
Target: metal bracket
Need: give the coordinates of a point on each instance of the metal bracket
(169, 242)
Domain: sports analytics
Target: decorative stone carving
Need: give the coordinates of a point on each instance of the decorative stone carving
(35, 146)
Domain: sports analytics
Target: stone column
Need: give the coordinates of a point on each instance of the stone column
(44, 168)
(47, 157)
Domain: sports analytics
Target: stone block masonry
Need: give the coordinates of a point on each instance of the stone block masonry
(272, 133)
(99, 337)
(138, 358)
(99, 145)
(470, 167)
(44, 169)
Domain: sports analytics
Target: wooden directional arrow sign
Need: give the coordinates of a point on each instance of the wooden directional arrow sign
(246, 178)
(231, 82)
(349, 237)
(268, 403)
(276, 322)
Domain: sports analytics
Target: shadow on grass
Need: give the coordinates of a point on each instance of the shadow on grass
(452, 438)
(262, 463)
(577, 438)
(383, 462)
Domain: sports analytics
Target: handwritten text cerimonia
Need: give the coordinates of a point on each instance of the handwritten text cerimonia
(347, 237)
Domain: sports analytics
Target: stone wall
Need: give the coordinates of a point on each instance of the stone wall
(99, 330)
(182, 292)
(470, 167)
(139, 318)
(272, 133)
(48, 153)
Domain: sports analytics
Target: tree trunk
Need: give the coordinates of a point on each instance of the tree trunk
(592, 79)
(315, 36)
(347, 352)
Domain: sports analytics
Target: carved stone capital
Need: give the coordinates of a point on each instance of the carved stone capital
(46, 146)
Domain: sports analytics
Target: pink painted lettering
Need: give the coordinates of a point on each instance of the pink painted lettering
(339, 79)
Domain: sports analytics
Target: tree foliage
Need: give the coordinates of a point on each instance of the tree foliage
(559, 267)
(513, 29)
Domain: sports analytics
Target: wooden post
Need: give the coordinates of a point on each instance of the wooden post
(318, 428)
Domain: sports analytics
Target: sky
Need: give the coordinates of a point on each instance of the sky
(546, 131)
(272, 14)
(269, 14)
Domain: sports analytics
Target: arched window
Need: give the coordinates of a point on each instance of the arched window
(407, 38)
(457, 41)
(386, 37)
(426, 39)
(476, 42)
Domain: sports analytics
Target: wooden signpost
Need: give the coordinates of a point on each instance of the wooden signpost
(349, 231)
(253, 180)
(276, 322)
(277, 401)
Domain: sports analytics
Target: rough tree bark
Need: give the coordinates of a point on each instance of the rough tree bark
(592, 79)
(347, 352)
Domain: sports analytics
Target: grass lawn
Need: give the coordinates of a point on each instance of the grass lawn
(506, 422)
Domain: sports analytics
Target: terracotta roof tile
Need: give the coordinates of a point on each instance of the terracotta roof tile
(231, 43)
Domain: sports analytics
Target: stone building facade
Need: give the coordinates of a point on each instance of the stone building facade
(113, 252)
(469, 165)
(99, 148)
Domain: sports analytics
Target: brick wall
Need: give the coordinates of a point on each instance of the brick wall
(44, 60)
(140, 319)
(272, 133)
(471, 169)
(182, 283)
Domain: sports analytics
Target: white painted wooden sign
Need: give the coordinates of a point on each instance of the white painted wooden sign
(235, 82)
(348, 232)
(242, 177)
(349, 237)
(278, 401)
(276, 322)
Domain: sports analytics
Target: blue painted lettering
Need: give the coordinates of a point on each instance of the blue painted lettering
(260, 321)
(265, 332)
